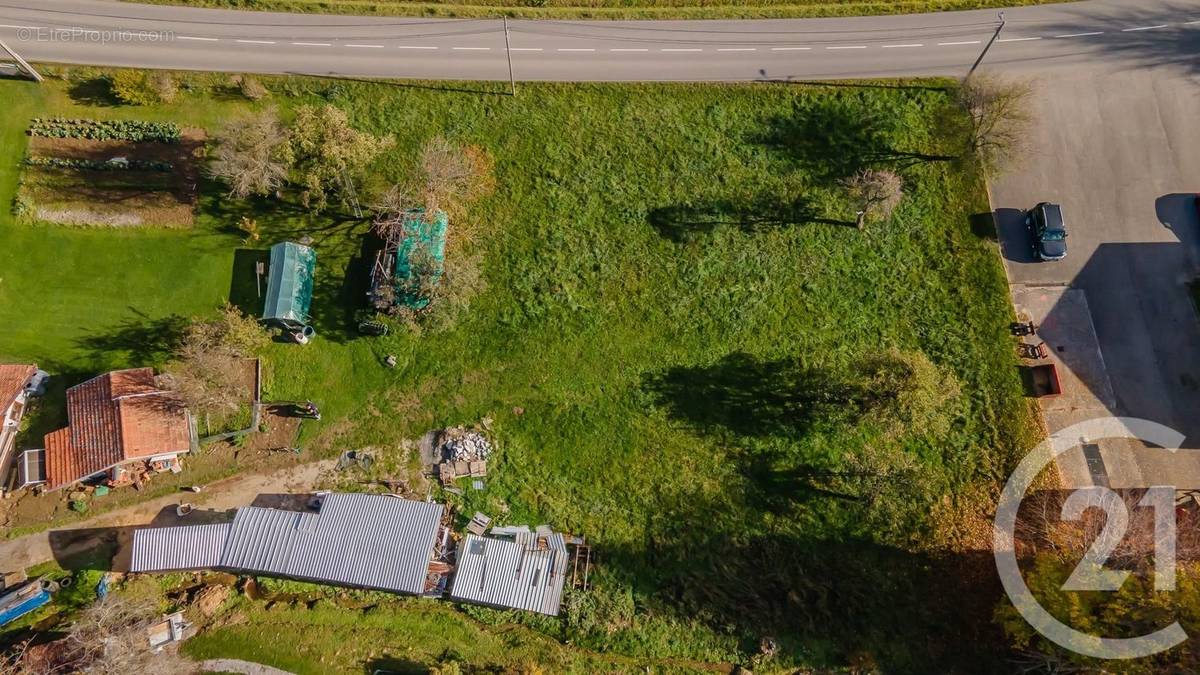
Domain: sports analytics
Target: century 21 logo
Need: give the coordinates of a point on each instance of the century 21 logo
(1091, 573)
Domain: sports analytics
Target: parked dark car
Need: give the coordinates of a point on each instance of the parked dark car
(1049, 230)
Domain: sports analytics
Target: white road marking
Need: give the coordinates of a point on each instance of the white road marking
(416, 47)
(365, 46)
(849, 47)
(9, 25)
(198, 39)
(526, 49)
(737, 49)
(471, 49)
(791, 49)
(618, 49)
(1071, 35)
(689, 49)
(1130, 30)
(915, 44)
(255, 42)
(576, 49)
(312, 44)
(964, 42)
(1017, 39)
(1190, 23)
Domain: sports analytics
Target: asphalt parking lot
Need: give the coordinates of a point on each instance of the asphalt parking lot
(1121, 152)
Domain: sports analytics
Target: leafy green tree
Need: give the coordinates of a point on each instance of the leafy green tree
(326, 154)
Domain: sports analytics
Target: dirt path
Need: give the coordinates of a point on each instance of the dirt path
(238, 666)
(218, 497)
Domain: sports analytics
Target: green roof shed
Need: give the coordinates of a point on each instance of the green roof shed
(290, 284)
(421, 252)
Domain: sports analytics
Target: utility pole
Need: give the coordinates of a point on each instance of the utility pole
(999, 27)
(512, 83)
(21, 63)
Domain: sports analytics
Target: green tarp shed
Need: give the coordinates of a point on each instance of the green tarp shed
(425, 238)
(290, 284)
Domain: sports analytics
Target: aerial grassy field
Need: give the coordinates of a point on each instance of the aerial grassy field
(611, 9)
(665, 266)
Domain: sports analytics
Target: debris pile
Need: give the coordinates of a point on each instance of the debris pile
(460, 445)
(462, 453)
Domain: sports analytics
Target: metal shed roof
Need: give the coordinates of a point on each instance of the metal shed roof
(369, 541)
(187, 547)
(290, 283)
(516, 574)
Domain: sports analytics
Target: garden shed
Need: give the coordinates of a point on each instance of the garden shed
(289, 284)
(412, 262)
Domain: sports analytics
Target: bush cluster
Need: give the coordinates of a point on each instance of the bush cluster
(106, 130)
(97, 165)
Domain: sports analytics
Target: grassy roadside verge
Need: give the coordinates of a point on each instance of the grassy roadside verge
(611, 9)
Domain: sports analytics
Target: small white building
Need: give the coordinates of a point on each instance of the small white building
(17, 383)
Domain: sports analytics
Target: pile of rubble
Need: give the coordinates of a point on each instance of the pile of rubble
(460, 445)
(463, 453)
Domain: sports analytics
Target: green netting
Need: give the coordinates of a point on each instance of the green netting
(420, 257)
(290, 283)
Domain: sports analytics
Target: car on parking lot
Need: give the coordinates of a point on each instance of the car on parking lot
(1049, 231)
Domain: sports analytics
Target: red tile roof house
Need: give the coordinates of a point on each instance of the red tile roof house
(121, 424)
(16, 382)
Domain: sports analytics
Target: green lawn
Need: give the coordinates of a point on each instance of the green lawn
(658, 258)
(611, 9)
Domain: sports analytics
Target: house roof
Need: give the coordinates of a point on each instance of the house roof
(114, 418)
(367, 541)
(527, 573)
(13, 378)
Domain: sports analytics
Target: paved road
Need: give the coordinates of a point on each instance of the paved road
(1118, 149)
(1124, 33)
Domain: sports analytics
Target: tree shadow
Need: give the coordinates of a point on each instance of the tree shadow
(852, 601)
(139, 339)
(743, 395)
(246, 285)
(834, 138)
(684, 223)
(393, 665)
(95, 91)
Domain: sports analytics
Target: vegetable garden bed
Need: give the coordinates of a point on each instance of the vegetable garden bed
(114, 173)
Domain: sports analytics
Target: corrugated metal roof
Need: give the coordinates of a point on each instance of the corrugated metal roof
(369, 541)
(187, 547)
(517, 574)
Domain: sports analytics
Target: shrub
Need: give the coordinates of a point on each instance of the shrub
(137, 87)
(252, 89)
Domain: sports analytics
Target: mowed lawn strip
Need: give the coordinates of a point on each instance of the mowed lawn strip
(638, 231)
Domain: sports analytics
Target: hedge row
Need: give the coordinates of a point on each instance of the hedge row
(96, 165)
(105, 130)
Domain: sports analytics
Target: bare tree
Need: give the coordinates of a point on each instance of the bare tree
(251, 155)
(876, 194)
(998, 119)
(1041, 527)
(392, 210)
(108, 638)
(453, 176)
(209, 370)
